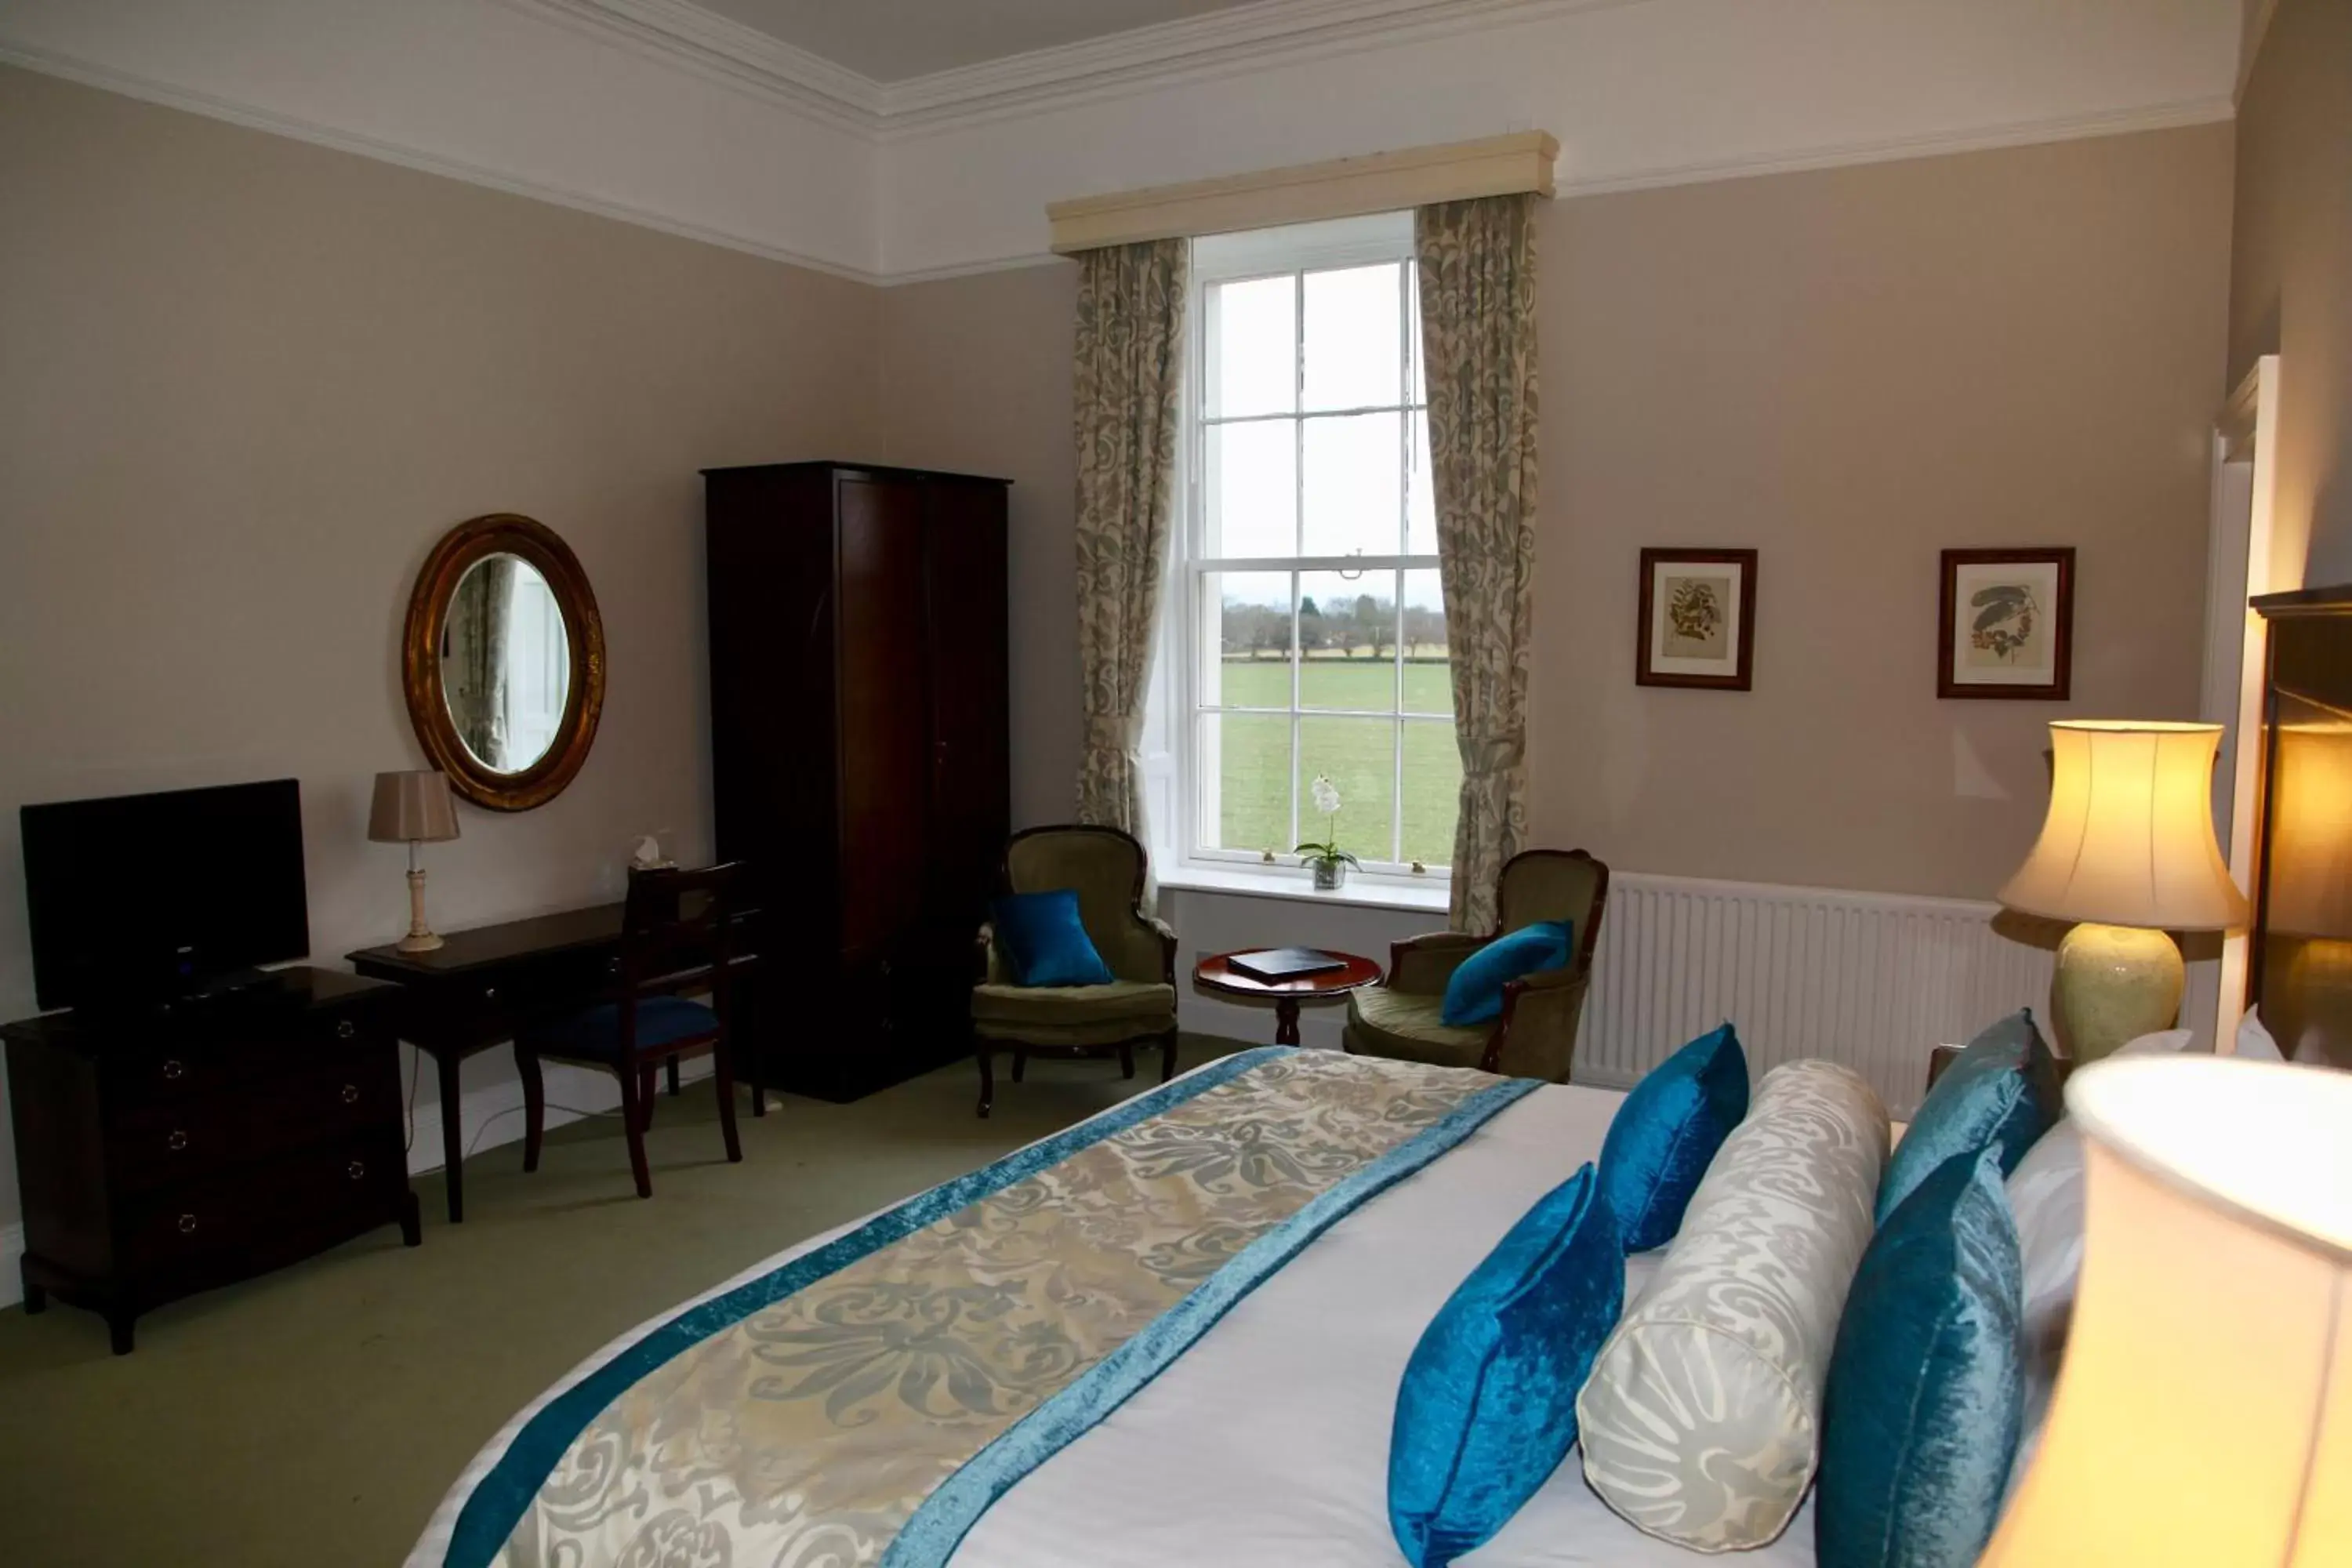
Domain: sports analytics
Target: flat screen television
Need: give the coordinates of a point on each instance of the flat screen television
(139, 899)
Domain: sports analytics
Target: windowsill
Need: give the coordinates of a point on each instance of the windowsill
(1297, 884)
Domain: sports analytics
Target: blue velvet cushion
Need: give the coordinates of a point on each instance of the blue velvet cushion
(2002, 1090)
(1488, 1409)
(594, 1032)
(1666, 1131)
(1926, 1384)
(1046, 941)
(1474, 994)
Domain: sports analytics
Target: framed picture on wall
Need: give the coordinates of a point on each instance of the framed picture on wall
(2007, 625)
(1698, 620)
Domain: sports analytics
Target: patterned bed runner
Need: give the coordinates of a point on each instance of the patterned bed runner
(865, 1402)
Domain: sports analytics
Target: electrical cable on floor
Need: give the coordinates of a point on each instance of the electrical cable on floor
(415, 1059)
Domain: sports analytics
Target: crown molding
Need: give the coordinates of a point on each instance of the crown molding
(680, 34)
(1219, 43)
(1231, 42)
(148, 90)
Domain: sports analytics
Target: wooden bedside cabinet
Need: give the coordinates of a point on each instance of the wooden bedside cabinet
(164, 1152)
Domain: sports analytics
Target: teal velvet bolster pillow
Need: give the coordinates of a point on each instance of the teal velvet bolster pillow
(2002, 1090)
(1046, 942)
(1475, 993)
(1927, 1387)
(1665, 1134)
(1487, 1408)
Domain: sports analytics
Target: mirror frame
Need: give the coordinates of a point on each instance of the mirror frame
(503, 533)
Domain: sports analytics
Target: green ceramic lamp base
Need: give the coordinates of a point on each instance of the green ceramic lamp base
(2115, 983)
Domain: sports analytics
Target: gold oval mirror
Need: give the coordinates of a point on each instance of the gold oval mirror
(503, 662)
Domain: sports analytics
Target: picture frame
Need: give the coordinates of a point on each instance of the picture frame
(2005, 624)
(1697, 625)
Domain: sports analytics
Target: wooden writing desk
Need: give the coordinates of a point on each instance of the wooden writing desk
(481, 985)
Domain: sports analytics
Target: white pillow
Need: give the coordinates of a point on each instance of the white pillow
(2046, 1196)
(1701, 1419)
(2254, 1040)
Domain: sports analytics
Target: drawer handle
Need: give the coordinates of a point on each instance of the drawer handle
(356, 1169)
(177, 1141)
(350, 1094)
(175, 1069)
(490, 992)
(345, 1029)
(187, 1224)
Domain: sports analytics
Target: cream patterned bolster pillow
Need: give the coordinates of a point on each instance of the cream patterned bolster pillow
(1701, 1420)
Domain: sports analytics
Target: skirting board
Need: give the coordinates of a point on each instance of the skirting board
(488, 1116)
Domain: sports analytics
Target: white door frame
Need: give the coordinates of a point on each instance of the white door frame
(2239, 566)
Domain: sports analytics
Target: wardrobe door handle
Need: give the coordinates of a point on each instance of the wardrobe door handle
(350, 1094)
(177, 1141)
(355, 1170)
(175, 1069)
(187, 1224)
(345, 1029)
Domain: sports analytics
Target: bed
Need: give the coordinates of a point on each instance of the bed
(1241, 1415)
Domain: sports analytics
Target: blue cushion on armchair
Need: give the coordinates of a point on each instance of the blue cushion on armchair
(1046, 941)
(1926, 1384)
(1487, 1408)
(1666, 1131)
(2004, 1089)
(1475, 993)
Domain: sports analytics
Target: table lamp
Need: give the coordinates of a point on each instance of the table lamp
(413, 808)
(2127, 851)
(2203, 1415)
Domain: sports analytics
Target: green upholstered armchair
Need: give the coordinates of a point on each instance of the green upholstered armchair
(1536, 1036)
(1106, 867)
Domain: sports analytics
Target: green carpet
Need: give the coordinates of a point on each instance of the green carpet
(315, 1416)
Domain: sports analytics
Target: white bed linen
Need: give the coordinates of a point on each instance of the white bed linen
(1267, 1443)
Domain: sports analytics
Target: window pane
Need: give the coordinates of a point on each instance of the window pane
(1246, 661)
(1432, 791)
(1354, 337)
(1253, 347)
(1252, 490)
(1421, 495)
(1245, 771)
(1428, 679)
(1346, 637)
(1359, 756)
(1355, 472)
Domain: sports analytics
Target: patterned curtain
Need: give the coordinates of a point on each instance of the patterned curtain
(1130, 355)
(1478, 338)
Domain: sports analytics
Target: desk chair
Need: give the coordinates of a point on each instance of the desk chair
(676, 935)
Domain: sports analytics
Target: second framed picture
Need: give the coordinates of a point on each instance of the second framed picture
(1698, 620)
(2007, 625)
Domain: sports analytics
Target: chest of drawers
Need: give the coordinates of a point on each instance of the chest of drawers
(164, 1153)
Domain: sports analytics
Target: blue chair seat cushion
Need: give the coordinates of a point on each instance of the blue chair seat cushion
(1487, 1408)
(1667, 1132)
(1046, 942)
(1926, 1393)
(1475, 993)
(594, 1034)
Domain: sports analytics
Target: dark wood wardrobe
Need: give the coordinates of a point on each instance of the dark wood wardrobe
(859, 756)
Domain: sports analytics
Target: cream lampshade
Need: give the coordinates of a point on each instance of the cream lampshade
(2203, 1416)
(2128, 851)
(413, 808)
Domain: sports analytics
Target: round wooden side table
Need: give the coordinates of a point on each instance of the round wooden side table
(1216, 972)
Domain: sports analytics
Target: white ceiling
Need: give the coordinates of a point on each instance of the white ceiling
(891, 40)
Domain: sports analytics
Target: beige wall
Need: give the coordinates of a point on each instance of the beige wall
(249, 382)
(1850, 370)
(976, 378)
(2290, 274)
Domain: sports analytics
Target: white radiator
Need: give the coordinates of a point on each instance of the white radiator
(1872, 980)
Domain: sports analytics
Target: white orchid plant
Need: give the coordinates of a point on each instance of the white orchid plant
(1327, 856)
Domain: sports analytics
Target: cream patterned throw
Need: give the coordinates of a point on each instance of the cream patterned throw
(1701, 1422)
(863, 1402)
